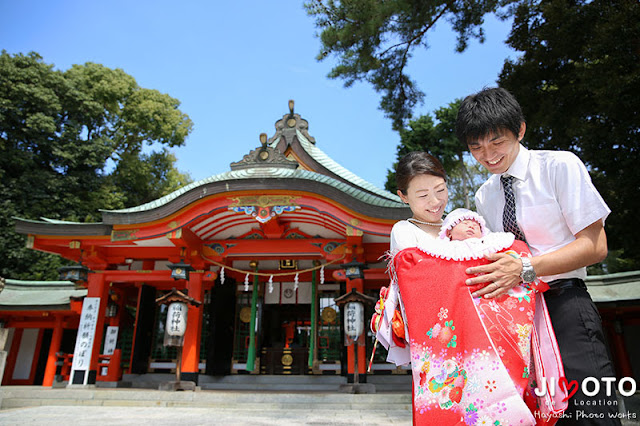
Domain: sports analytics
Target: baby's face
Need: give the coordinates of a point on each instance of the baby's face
(466, 229)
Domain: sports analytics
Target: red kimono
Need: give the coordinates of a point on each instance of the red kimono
(471, 358)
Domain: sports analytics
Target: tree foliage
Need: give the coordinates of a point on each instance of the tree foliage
(71, 143)
(437, 136)
(578, 80)
(373, 41)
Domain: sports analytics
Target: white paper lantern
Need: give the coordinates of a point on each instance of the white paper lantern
(177, 319)
(354, 319)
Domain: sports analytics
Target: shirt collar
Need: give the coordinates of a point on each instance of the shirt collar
(519, 167)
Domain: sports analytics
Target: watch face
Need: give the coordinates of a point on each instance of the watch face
(528, 275)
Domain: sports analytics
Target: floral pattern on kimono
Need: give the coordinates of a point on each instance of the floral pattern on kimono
(470, 357)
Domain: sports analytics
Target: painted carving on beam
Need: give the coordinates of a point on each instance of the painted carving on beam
(263, 208)
(124, 235)
(218, 248)
(329, 247)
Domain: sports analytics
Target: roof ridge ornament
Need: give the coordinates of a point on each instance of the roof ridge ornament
(288, 125)
(264, 156)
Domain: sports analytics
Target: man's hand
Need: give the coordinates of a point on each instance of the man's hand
(502, 274)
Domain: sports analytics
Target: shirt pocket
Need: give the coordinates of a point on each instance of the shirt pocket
(543, 225)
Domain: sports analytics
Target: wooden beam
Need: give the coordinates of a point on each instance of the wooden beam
(147, 276)
(275, 248)
(35, 323)
(185, 238)
(273, 229)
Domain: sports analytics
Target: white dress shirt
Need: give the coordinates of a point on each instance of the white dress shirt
(555, 199)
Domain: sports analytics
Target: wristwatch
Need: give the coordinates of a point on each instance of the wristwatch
(528, 275)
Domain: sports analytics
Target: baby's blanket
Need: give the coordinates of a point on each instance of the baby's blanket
(471, 358)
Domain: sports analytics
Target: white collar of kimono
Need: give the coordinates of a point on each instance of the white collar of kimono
(472, 248)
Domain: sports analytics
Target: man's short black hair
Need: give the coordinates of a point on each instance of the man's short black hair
(490, 111)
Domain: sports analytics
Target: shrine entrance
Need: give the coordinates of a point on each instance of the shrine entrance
(286, 339)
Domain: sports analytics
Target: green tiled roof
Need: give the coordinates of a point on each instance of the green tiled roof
(326, 161)
(614, 287)
(58, 221)
(272, 173)
(36, 294)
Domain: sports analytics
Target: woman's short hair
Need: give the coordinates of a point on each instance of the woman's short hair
(414, 164)
(490, 111)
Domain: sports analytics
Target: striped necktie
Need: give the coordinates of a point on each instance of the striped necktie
(509, 214)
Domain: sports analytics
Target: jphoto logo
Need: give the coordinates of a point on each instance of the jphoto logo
(590, 386)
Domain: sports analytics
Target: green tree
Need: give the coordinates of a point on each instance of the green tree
(578, 80)
(147, 177)
(68, 142)
(438, 138)
(374, 40)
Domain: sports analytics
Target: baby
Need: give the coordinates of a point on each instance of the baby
(464, 235)
(462, 224)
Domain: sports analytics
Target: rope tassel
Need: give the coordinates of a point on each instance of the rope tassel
(263, 274)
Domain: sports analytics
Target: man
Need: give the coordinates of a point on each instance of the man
(547, 199)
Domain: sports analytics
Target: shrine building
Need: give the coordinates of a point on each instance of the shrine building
(266, 247)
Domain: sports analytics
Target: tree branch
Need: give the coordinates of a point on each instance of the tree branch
(420, 34)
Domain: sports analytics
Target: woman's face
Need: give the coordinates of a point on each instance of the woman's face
(427, 195)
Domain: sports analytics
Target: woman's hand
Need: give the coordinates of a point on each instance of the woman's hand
(502, 274)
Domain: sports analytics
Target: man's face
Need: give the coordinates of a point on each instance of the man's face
(496, 152)
(468, 228)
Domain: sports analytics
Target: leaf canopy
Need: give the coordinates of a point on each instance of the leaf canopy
(71, 143)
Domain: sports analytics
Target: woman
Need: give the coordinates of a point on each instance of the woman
(470, 357)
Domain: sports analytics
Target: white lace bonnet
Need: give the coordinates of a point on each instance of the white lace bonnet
(457, 216)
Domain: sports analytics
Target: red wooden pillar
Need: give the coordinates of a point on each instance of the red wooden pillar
(114, 371)
(191, 347)
(97, 288)
(12, 356)
(358, 284)
(56, 338)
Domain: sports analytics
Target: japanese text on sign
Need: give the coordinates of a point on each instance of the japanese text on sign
(110, 340)
(86, 333)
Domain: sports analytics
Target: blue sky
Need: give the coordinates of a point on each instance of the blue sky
(235, 64)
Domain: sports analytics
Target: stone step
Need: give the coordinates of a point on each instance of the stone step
(309, 383)
(30, 396)
(170, 416)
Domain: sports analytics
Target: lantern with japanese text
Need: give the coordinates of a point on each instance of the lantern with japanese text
(354, 320)
(352, 304)
(176, 319)
(177, 307)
